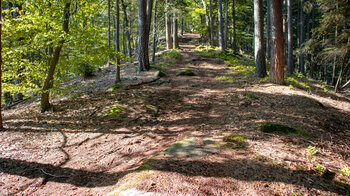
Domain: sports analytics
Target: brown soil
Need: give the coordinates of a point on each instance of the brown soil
(77, 150)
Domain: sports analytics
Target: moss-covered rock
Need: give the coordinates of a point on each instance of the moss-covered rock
(234, 141)
(153, 110)
(269, 127)
(115, 111)
(185, 72)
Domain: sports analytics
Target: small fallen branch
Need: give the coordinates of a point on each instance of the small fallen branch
(52, 175)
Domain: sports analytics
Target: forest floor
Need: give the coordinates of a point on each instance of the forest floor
(180, 135)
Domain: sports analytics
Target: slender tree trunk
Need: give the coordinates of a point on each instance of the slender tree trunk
(154, 32)
(302, 38)
(277, 43)
(234, 37)
(212, 42)
(109, 27)
(343, 66)
(169, 41)
(117, 40)
(182, 26)
(260, 63)
(268, 29)
(1, 125)
(290, 65)
(335, 57)
(143, 45)
(52, 63)
(206, 15)
(175, 32)
(226, 21)
(221, 27)
(128, 28)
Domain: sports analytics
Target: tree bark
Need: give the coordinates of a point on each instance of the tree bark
(290, 64)
(212, 42)
(226, 22)
(109, 26)
(302, 38)
(154, 32)
(117, 40)
(169, 41)
(234, 37)
(144, 36)
(343, 66)
(52, 62)
(260, 63)
(221, 27)
(175, 33)
(268, 29)
(277, 43)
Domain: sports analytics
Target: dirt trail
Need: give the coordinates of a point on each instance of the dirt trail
(77, 150)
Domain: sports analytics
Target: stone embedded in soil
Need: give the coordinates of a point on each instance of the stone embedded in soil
(190, 149)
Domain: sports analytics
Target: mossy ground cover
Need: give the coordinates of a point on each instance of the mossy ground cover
(270, 127)
(184, 72)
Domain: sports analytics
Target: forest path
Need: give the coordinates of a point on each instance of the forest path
(78, 150)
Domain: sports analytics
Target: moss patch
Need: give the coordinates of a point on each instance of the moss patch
(115, 111)
(234, 141)
(116, 86)
(269, 127)
(226, 78)
(250, 96)
(295, 83)
(185, 72)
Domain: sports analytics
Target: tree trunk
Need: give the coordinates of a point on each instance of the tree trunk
(144, 36)
(212, 42)
(154, 32)
(117, 40)
(335, 57)
(221, 27)
(260, 63)
(128, 28)
(175, 32)
(343, 66)
(182, 26)
(268, 29)
(277, 43)
(169, 41)
(226, 22)
(109, 26)
(302, 38)
(234, 38)
(52, 63)
(290, 65)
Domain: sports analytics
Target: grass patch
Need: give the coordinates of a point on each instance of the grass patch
(185, 72)
(243, 69)
(115, 111)
(293, 82)
(226, 78)
(115, 87)
(346, 171)
(234, 141)
(250, 96)
(174, 54)
(208, 51)
(269, 127)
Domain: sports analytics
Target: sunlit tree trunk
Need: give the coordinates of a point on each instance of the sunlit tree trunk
(221, 27)
(175, 33)
(268, 29)
(335, 57)
(260, 62)
(212, 42)
(52, 63)
(117, 40)
(1, 125)
(226, 22)
(277, 43)
(109, 26)
(290, 65)
(169, 41)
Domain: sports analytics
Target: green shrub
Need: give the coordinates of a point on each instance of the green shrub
(269, 127)
(85, 69)
(115, 111)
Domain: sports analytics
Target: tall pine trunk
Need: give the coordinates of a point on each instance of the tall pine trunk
(268, 29)
(144, 36)
(212, 42)
(1, 125)
(175, 33)
(154, 32)
(117, 40)
(226, 22)
(53, 61)
(221, 27)
(169, 41)
(234, 37)
(277, 43)
(301, 39)
(109, 26)
(260, 63)
(290, 65)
